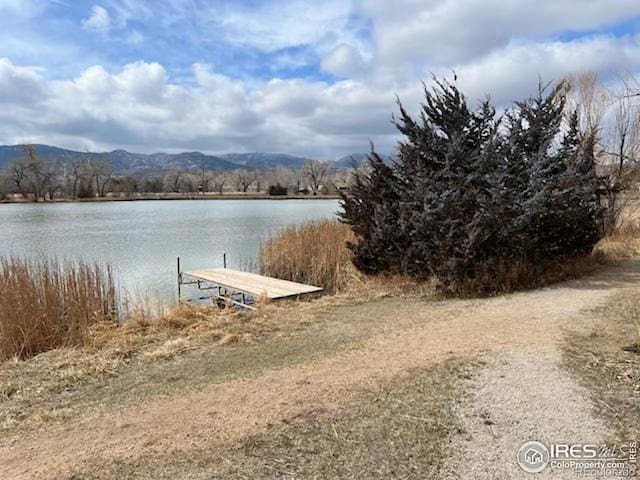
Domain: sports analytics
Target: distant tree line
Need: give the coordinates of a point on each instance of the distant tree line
(474, 196)
(38, 179)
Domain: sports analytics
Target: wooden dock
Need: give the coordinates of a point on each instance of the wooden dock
(242, 288)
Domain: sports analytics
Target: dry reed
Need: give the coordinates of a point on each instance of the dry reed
(313, 253)
(47, 304)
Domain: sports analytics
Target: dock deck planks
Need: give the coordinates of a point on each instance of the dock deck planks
(251, 283)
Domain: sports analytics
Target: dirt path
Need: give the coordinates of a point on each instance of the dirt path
(224, 413)
(520, 395)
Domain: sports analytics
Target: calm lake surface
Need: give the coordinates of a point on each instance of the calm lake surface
(142, 239)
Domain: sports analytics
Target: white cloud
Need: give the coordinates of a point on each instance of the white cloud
(344, 61)
(444, 31)
(23, 8)
(288, 23)
(512, 73)
(21, 88)
(139, 108)
(99, 19)
(496, 47)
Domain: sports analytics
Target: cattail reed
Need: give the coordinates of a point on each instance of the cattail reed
(313, 253)
(47, 304)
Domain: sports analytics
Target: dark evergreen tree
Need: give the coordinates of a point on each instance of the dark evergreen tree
(371, 208)
(559, 208)
(468, 195)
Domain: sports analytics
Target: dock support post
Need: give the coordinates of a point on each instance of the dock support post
(179, 281)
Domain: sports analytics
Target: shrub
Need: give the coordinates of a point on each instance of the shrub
(277, 189)
(49, 304)
(471, 193)
(313, 253)
(85, 190)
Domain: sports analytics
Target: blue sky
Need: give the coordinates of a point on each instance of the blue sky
(67, 36)
(302, 77)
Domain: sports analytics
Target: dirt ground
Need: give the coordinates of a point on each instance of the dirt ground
(470, 379)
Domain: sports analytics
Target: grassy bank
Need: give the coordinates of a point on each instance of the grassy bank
(316, 253)
(222, 396)
(185, 349)
(393, 431)
(116, 358)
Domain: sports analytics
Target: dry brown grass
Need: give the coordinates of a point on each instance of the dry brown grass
(399, 429)
(181, 325)
(524, 274)
(33, 390)
(606, 358)
(47, 304)
(624, 241)
(316, 253)
(313, 253)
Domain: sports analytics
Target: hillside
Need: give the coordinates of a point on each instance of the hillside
(264, 160)
(357, 159)
(127, 163)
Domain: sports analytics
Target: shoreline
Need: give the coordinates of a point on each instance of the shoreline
(231, 196)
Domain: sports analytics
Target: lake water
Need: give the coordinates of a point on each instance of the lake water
(142, 239)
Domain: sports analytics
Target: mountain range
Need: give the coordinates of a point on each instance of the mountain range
(126, 163)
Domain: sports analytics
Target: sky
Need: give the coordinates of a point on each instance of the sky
(312, 78)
